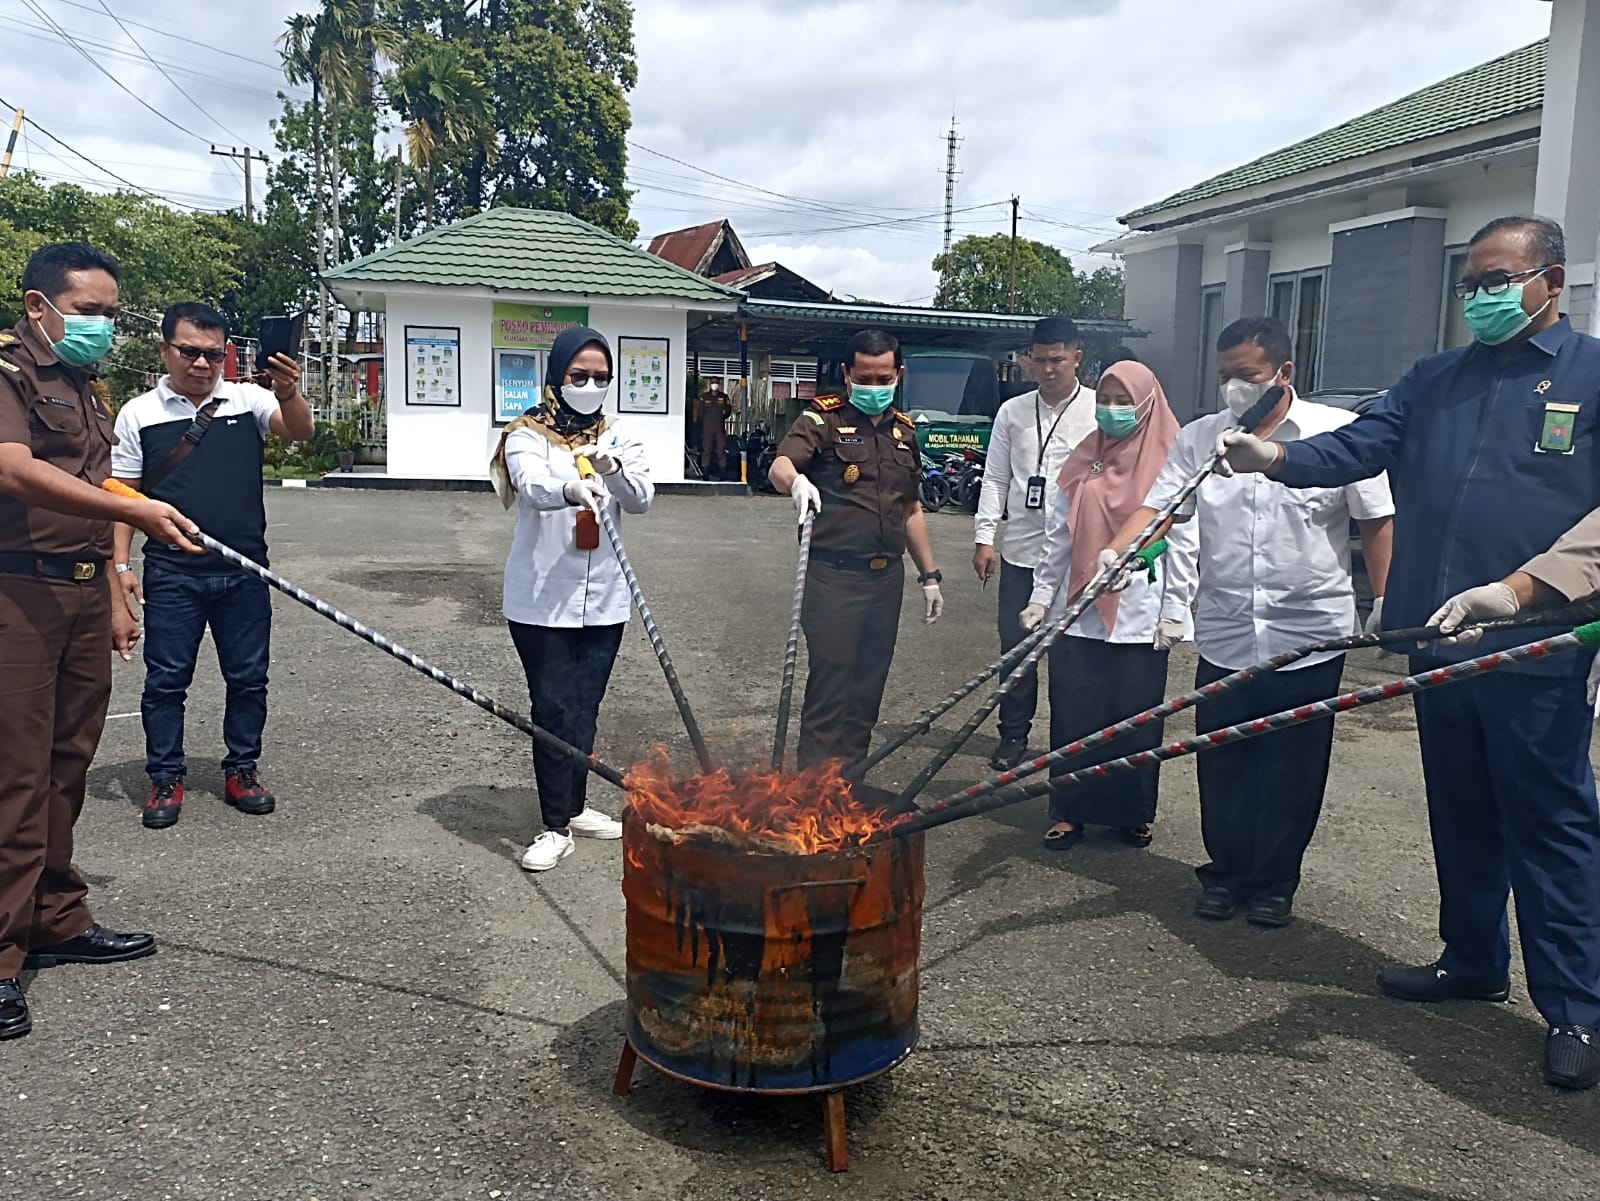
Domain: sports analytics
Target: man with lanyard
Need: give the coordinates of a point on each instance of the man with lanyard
(1033, 435)
(1495, 449)
(196, 440)
(1273, 574)
(59, 620)
(854, 465)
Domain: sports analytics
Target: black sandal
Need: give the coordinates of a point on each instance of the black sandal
(1061, 840)
(1138, 836)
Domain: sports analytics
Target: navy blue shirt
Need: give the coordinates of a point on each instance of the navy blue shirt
(1475, 495)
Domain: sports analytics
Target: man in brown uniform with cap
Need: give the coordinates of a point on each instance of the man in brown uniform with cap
(854, 463)
(56, 610)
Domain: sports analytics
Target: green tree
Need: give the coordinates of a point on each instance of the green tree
(449, 111)
(975, 276)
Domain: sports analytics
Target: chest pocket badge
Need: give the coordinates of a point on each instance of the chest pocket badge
(852, 473)
(1555, 435)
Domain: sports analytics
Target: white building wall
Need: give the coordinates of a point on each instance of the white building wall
(1494, 193)
(1214, 260)
(428, 442)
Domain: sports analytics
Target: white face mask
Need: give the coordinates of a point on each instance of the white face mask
(586, 398)
(1240, 394)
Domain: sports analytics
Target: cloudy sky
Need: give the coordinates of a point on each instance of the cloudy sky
(817, 126)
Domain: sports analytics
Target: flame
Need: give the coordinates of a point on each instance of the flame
(806, 813)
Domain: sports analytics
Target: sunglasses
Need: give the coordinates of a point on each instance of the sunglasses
(582, 378)
(1492, 283)
(191, 353)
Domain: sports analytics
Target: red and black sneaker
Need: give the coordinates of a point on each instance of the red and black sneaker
(247, 794)
(164, 805)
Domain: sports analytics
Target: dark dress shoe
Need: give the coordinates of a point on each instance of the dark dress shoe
(14, 1019)
(1270, 911)
(94, 945)
(1572, 1057)
(1009, 753)
(1430, 982)
(1216, 904)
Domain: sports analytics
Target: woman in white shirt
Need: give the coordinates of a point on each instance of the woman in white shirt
(1112, 661)
(565, 598)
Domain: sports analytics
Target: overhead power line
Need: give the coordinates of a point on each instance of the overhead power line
(181, 37)
(164, 75)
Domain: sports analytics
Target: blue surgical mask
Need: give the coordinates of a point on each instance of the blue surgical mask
(872, 399)
(1498, 318)
(84, 340)
(1116, 421)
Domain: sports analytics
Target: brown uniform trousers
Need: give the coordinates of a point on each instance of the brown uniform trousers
(868, 472)
(55, 650)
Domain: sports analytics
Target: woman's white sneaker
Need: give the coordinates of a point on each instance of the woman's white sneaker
(591, 823)
(549, 849)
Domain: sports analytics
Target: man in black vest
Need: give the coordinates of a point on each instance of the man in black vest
(196, 440)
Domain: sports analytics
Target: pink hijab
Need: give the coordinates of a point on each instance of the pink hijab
(1105, 479)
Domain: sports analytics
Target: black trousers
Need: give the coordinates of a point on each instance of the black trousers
(1092, 685)
(568, 669)
(1260, 800)
(851, 620)
(1017, 707)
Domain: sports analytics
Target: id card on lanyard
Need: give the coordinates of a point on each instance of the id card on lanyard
(1033, 496)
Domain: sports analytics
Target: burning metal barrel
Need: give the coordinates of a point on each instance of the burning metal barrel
(759, 970)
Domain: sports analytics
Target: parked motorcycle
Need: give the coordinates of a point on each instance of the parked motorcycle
(935, 486)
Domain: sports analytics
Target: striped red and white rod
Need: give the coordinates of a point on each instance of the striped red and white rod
(487, 703)
(1568, 615)
(955, 808)
(1092, 591)
(791, 648)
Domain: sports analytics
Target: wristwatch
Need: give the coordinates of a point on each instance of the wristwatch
(931, 577)
(121, 568)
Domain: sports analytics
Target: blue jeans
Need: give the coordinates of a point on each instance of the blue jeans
(178, 606)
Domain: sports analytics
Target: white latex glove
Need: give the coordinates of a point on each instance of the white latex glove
(1244, 452)
(1594, 686)
(1374, 623)
(586, 494)
(1105, 560)
(806, 498)
(604, 463)
(935, 601)
(1487, 602)
(1169, 632)
(1031, 618)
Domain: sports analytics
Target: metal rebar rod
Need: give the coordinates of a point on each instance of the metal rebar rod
(791, 648)
(1567, 615)
(340, 618)
(954, 809)
(702, 752)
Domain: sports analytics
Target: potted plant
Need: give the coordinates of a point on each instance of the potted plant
(348, 435)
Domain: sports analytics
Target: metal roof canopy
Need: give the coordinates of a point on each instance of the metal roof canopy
(798, 327)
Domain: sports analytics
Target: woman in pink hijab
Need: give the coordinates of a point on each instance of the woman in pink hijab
(1111, 662)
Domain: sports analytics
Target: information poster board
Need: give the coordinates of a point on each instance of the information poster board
(518, 376)
(643, 375)
(433, 365)
(526, 331)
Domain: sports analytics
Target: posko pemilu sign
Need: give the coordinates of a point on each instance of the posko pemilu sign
(521, 338)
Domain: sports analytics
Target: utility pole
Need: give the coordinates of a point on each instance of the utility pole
(1015, 201)
(11, 145)
(399, 190)
(950, 173)
(249, 156)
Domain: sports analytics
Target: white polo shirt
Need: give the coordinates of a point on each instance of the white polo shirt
(1274, 562)
(161, 405)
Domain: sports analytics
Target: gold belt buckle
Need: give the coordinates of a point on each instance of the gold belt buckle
(878, 564)
(84, 571)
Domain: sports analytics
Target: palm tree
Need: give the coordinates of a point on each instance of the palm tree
(448, 108)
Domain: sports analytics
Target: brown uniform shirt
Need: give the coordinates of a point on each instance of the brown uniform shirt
(48, 407)
(869, 473)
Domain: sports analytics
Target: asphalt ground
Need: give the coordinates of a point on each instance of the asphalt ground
(362, 996)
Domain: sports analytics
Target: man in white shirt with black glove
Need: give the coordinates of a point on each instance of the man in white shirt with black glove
(1032, 437)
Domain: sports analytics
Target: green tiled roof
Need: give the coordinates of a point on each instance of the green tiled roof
(892, 315)
(530, 250)
(1501, 87)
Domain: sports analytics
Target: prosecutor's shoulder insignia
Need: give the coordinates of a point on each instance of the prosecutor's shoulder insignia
(903, 419)
(10, 366)
(817, 417)
(828, 403)
(7, 338)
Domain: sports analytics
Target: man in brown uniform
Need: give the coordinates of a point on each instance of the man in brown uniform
(854, 463)
(714, 409)
(56, 610)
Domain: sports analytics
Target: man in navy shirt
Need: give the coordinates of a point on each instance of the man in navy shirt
(1493, 452)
